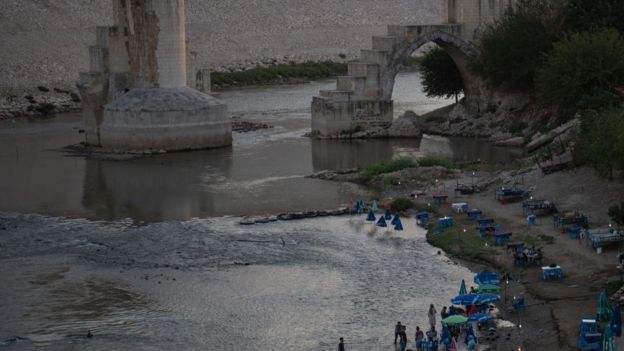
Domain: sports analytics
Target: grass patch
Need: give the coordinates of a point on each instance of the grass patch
(430, 161)
(547, 239)
(467, 245)
(261, 75)
(382, 167)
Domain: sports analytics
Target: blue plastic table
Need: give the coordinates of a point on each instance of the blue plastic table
(551, 273)
(445, 222)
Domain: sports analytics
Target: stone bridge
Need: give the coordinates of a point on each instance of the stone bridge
(363, 98)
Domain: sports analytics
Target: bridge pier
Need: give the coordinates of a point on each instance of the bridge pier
(363, 98)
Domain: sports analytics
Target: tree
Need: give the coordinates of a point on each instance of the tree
(583, 15)
(512, 48)
(583, 72)
(617, 214)
(440, 75)
(601, 141)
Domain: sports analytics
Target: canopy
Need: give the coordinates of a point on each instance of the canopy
(396, 219)
(371, 216)
(455, 320)
(480, 317)
(487, 277)
(474, 299)
(398, 225)
(388, 214)
(608, 344)
(488, 288)
(381, 222)
(605, 311)
(462, 288)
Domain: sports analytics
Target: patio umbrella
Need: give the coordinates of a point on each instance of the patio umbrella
(388, 214)
(395, 219)
(371, 216)
(488, 288)
(462, 288)
(397, 223)
(454, 320)
(381, 222)
(616, 322)
(474, 299)
(487, 277)
(605, 311)
(480, 317)
(469, 332)
(374, 206)
(608, 344)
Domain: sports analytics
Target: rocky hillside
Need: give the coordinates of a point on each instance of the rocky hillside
(44, 42)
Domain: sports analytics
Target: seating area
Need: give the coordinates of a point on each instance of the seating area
(538, 207)
(510, 195)
(571, 219)
(552, 272)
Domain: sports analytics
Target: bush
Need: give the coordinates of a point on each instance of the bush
(517, 126)
(401, 204)
(601, 141)
(259, 75)
(430, 161)
(45, 108)
(512, 48)
(440, 76)
(583, 71)
(616, 213)
(583, 15)
(387, 167)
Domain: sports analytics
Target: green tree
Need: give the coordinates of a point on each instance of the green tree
(617, 214)
(583, 72)
(512, 48)
(440, 75)
(601, 141)
(584, 15)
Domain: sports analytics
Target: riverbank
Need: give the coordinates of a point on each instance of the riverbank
(550, 320)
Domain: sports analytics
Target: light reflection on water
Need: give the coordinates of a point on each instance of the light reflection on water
(306, 284)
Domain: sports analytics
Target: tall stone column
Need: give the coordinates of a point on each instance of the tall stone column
(159, 112)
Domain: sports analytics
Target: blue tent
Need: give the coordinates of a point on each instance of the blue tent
(616, 321)
(474, 299)
(388, 214)
(462, 288)
(469, 332)
(381, 222)
(371, 216)
(487, 277)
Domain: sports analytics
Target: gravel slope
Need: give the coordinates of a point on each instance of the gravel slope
(44, 42)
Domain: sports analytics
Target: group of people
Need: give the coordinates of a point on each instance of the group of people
(424, 340)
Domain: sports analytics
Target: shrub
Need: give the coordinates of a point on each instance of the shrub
(45, 108)
(601, 141)
(512, 48)
(616, 213)
(583, 71)
(583, 15)
(440, 76)
(430, 161)
(387, 167)
(401, 204)
(259, 75)
(517, 126)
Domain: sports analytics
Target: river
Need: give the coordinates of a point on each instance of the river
(148, 254)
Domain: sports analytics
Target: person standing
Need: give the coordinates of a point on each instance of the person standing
(432, 316)
(420, 338)
(443, 314)
(403, 337)
(341, 345)
(397, 331)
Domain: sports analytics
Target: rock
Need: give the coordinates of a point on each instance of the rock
(512, 142)
(544, 139)
(405, 127)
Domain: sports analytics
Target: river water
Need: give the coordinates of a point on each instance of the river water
(148, 254)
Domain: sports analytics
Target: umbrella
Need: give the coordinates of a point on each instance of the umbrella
(381, 222)
(487, 277)
(474, 299)
(388, 214)
(371, 216)
(374, 206)
(396, 219)
(398, 225)
(608, 344)
(605, 311)
(469, 332)
(454, 320)
(616, 322)
(488, 288)
(480, 317)
(462, 288)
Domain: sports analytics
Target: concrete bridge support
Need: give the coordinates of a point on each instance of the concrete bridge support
(363, 98)
(136, 93)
